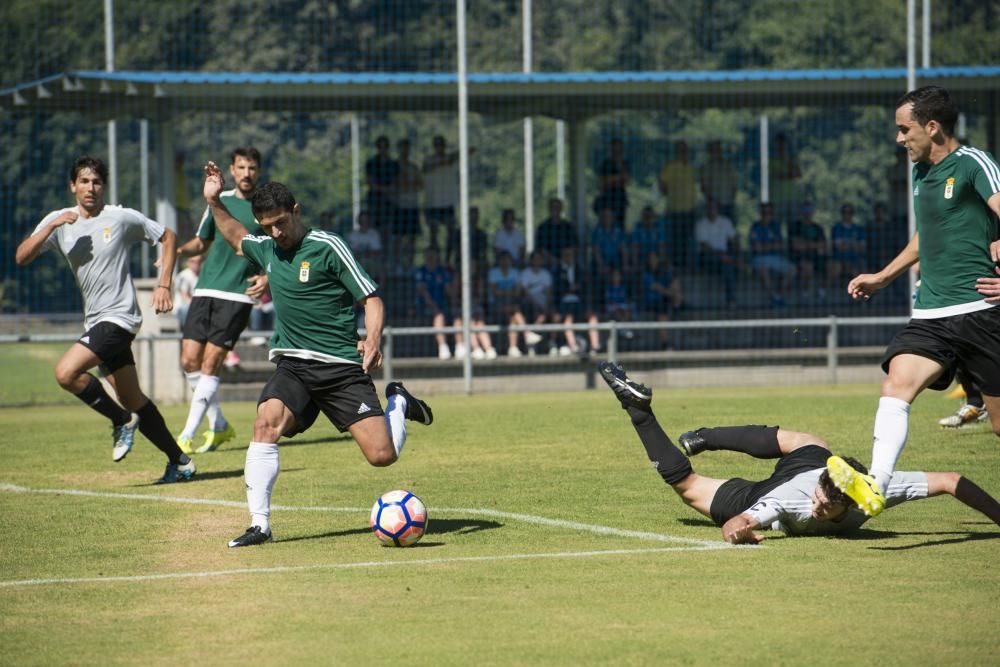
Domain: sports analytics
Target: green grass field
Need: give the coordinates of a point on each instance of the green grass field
(919, 586)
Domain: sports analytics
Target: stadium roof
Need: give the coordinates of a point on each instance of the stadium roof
(570, 96)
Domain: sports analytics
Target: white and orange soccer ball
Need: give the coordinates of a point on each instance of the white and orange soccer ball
(399, 518)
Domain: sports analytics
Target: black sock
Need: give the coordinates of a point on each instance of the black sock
(669, 461)
(99, 401)
(758, 441)
(152, 426)
(970, 494)
(973, 396)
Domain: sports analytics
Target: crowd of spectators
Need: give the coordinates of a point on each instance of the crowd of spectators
(621, 269)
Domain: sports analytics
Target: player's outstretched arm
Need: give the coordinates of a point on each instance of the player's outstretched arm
(954, 484)
(31, 247)
(866, 284)
(163, 295)
(231, 230)
(196, 246)
(739, 530)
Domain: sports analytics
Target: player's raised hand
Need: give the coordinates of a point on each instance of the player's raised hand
(863, 286)
(67, 218)
(214, 181)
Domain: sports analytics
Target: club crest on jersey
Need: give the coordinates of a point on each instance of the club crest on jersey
(949, 188)
(107, 235)
(304, 272)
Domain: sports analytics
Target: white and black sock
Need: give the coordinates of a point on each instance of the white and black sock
(892, 420)
(395, 419)
(204, 393)
(260, 473)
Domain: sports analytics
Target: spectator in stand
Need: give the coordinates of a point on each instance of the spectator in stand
(440, 172)
(536, 286)
(574, 302)
(613, 173)
(509, 238)
(886, 235)
(661, 293)
(434, 285)
(678, 183)
(784, 174)
(478, 242)
(609, 249)
(381, 174)
(504, 284)
(554, 234)
(409, 183)
(719, 180)
(718, 248)
(617, 305)
(899, 190)
(366, 244)
(481, 342)
(848, 246)
(262, 318)
(807, 242)
(648, 235)
(768, 256)
(184, 287)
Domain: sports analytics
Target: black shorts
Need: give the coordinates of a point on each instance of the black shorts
(111, 344)
(971, 340)
(218, 321)
(738, 495)
(343, 392)
(407, 222)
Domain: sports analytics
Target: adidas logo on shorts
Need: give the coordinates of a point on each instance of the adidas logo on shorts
(363, 409)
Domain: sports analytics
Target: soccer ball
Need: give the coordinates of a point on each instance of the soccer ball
(399, 518)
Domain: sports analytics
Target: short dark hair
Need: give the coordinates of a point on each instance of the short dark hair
(272, 196)
(87, 162)
(830, 490)
(248, 152)
(932, 103)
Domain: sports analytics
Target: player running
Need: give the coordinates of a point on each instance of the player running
(321, 365)
(95, 239)
(220, 309)
(799, 498)
(956, 196)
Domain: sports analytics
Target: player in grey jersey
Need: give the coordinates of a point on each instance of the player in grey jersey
(798, 498)
(95, 240)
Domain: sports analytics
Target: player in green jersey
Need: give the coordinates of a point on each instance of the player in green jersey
(956, 196)
(223, 298)
(321, 364)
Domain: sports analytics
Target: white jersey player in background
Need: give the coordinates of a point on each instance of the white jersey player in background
(95, 239)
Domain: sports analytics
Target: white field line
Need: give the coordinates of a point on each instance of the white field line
(281, 569)
(689, 543)
(496, 514)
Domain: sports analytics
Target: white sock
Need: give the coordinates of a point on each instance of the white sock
(208, 387)
(260, 473)
(216, 420)
(891, 423)
(395, 419)
(192, 379)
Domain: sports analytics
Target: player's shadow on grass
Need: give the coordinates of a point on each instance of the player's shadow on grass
(958, 537)
(437, 527)
(216, 474)
(296, 442)
(698, 522)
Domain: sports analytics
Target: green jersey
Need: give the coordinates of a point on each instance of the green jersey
(224, 274)
(314, 288)
(956, 227)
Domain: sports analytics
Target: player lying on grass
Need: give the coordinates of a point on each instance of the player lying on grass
(798, 498)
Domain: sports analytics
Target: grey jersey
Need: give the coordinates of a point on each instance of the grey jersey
(97, 250)
(789, 507)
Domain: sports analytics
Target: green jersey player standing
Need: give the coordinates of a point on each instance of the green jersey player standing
(956, 196)
(223, 298)
(321, 364)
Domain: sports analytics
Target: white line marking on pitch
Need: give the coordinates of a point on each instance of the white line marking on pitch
(526, 518)
(348, 566)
